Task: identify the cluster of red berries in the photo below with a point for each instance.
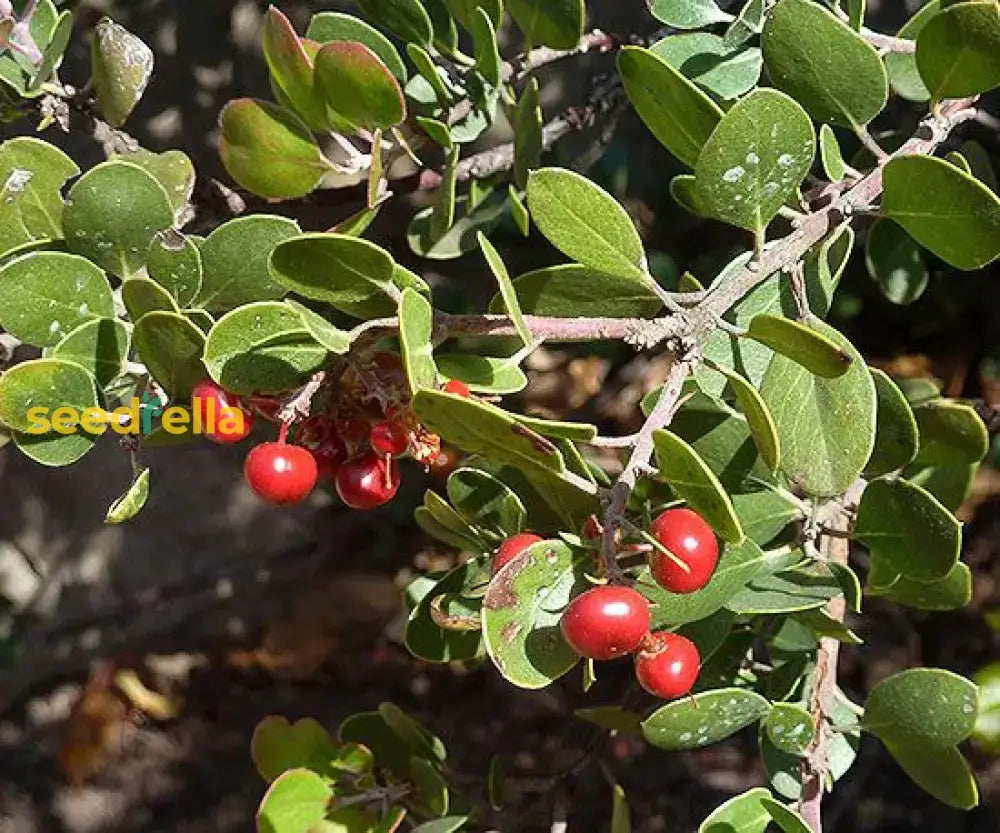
(354, 444)
(611, 621)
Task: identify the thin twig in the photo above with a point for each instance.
(595, 41)
(642, 452)
(887, 43)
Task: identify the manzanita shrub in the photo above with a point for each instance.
(718, 554)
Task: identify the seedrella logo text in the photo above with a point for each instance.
(140, 416)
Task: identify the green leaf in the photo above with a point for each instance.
(53, 449)
(235, 258)
(676, 112)
(789, 727)
(269, 150)
(763, 514)
(759, 421)
(350, 273)
(787, 818)
(585, 222)
(461, 237)
(951, 485)
(802, 344)
(480, 428)
(112, 213)
(682, 191)
(987, 730)
(171, 347)
(755, 159)
(174, 170)
(788, 592)
(484, 38)
(979, 161)
(570, 290)
(425, 639)
(431, 789)
(895, 262)
(527, 124)
(278, 746)
(121, 66)
(737, 566)
(688, 14)
(443, 210)
(507, 291)
(713, 64)
(261, 348)
(44, 296)
(943, 209)
(958, 50)
(692, 480)
(554, 23)
(829, 150)
(296, 802)
(826, 426)
(291, 70)
(950, 433)
(174, 262)
(953, 592)
(330, 26)
(896, 438)
(902, 66)
(333, 339)
(943, 772)
(46, 384)
(485, 502)
(908, 530)
(54, 51)
(703, 719)
(130, 504)
(482, 374)
(748, 23)
(416, 327)
(522, 609)
(358, 87)
(825, 65)
(579, 431)
(405, 18)
(141, 295)
(823, 267)
(100, 346)
(32, 173)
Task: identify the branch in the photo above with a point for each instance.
(642, 452)
(781, 254)
(816, 765)
(595, 41)
(887, 43)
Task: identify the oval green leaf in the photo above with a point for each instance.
(676, 112)
(171, 348)
(802, 344)
(824, 64)
(358, 87)
(896, 437)
(755, 159)
(703, 719)
(958, 50)
(101, 346)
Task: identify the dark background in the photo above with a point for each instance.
(247, 610)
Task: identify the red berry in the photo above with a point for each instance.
(458, 388)
(329, 456)
(666, 665)
(368, 481)
(512, 548)
(692, 543)
(606, 622)
(388, 437)
(222, 418)
(280, 473)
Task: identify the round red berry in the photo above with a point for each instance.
(388, 437)
(666, 665)
(280, 473)
(368, 481)
(329, 456)
(512, 548)
(458, 388)
(222, 418)
(693, 547)
(606, 622)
